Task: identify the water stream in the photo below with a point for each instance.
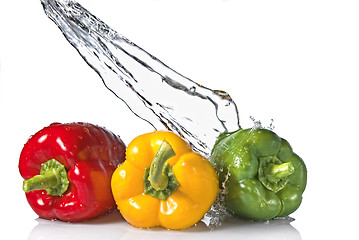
(151, 89)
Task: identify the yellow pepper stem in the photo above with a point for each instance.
(157, 178)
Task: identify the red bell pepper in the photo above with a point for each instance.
(67, 170)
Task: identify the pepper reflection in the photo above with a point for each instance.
(112, 226)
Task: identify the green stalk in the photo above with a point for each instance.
(273, 173)
(276, 172)
(52, 178)
(158, 179)
(40, 182)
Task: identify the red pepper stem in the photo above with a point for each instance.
(157, 178)
(41, 182)
(52, 178)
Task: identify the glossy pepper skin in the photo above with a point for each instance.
(184, 204)
(87, 154)
(261, 176)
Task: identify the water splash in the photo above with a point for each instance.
(152, 90)
(258, 124)
(216, 216)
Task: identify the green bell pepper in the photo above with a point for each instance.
(260, 176)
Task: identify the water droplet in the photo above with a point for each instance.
(263, 204)
(258, 124)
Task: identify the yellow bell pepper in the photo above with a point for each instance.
(163, 183)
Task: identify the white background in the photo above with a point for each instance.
(296, 62)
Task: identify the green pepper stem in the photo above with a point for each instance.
(275, 172)
(157, 178)
(52, 178)
(41, 182)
